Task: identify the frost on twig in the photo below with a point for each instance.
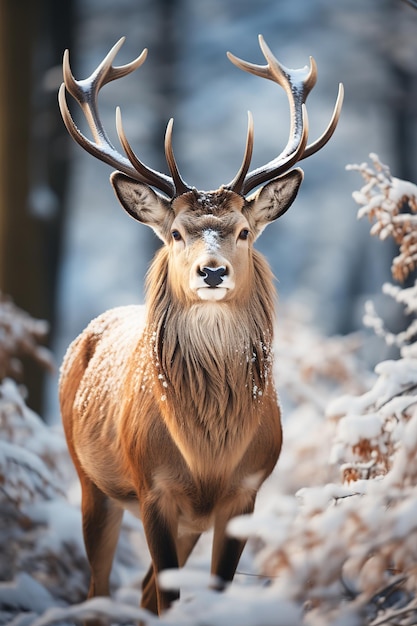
(390, 203)
(370, 427)
(406, 339)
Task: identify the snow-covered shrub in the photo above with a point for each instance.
(371, 429)
(391, 204)
(20, 336)
(40, 532)
(40, 538)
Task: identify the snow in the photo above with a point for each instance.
(353, 428)
(25, 594)
(407, 519)
(62, 520)
(211, 239)
(96, 607)
(245, 606)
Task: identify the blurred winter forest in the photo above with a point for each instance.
(67, 250)
(333, 540)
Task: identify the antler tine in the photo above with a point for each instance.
(237, 182)
(324, 138)
(85, 92)
(297, 84)
(104, 73)
(148, 175)
(153, 176)
(99, 151)
(180, 185)
(280, 164)
(275, 71)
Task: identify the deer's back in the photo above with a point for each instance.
(96, 385)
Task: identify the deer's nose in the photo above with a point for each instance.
(213, 276)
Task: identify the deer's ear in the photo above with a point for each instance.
(273, 200)
(143, 204)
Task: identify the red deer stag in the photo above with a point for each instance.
(173, 414)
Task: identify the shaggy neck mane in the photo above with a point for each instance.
(212, 360)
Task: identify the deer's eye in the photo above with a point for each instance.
(176, 235)
(244, 234)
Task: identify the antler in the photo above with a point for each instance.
(297, 84)
(85, 92)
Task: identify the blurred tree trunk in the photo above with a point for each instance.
(21, 273)
(50, 156)
(19, 249)
(29, 238)
(400, 56)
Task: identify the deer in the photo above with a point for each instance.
(170, 408)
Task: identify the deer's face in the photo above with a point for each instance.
(210, 246)
(209, 235)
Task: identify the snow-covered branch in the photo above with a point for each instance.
(390, 203)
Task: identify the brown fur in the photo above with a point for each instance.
(174, 415)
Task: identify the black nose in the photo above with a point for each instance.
(213, 276)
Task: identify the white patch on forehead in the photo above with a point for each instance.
(211, 239)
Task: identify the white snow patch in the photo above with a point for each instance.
(211, 239)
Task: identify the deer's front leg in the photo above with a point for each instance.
(227, 550)
(160, 536)
(185, 545)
